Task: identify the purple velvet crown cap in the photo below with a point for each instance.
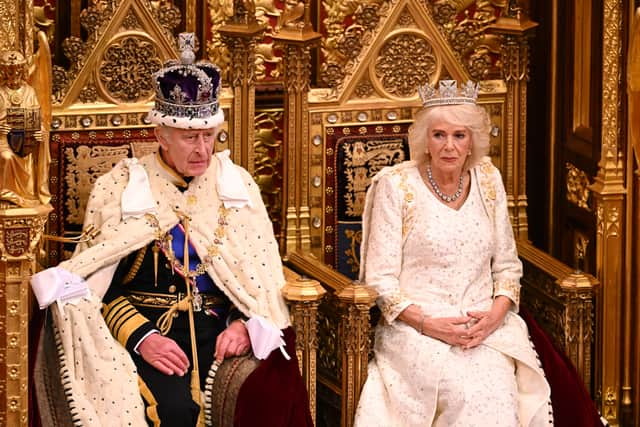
(186, 92)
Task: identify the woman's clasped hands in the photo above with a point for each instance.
(466, 331)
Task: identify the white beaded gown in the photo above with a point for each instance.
(416, 250)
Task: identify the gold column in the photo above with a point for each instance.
(516, 29)
(296, 36)
(16, 26)
(353, 333)
(20, 233)
(240, 36)
(579, 289)
(609, 195)
(304, 296)
(190, 21)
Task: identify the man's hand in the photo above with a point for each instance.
(164, 354)
(233, 341)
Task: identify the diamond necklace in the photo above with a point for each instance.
(436, 189)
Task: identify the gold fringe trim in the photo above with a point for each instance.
(152, 403)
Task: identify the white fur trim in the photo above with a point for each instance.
(186, 122)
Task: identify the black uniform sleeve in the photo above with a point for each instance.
(124, 320)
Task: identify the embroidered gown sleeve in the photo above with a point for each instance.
(506, 267)
(384, 248)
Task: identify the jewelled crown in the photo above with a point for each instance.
(448, 93)
(187, 92)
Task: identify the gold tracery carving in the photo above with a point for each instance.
(125, 72)
(406, 61)
(465, 25)
(84, 165)
(9, 25)
(118, 79)
(578, 191)
(264, 11)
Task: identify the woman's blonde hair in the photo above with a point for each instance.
(472, 117)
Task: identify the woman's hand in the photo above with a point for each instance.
(233, 341)
(451, 330)
(486, 322)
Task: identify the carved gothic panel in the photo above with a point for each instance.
(126, 67)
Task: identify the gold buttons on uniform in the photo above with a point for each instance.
(172, 289)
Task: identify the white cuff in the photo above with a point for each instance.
(56, 284)
(265, 337)
(135, 348)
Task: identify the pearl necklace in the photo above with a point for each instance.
(436, 188)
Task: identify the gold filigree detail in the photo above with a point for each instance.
(389, 303)
(268, 156)
(9, 25)
(140, 149)
(167, 14)
(267, 63)
(126, 70)
(95, 20)
(362, 160)
(89, 93)
(580, 251)
(610, 403)
(406, 61)
(84, 165)
(130, 22)
(343, 44)
(328, 345)
(509, 288)
(405, 19)
(364, 88)
(600, 220)
(578, 184)
(408, 209)
(465, 25)
(353, 253)
(292, 15)
(613, 222)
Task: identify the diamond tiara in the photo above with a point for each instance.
(448, 93)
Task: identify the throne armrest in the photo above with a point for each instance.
(561, 300)
(303, 296)
(344, 332)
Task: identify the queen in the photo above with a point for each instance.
(439, 250)
(24, 149)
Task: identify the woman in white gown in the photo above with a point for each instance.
(438, 247)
